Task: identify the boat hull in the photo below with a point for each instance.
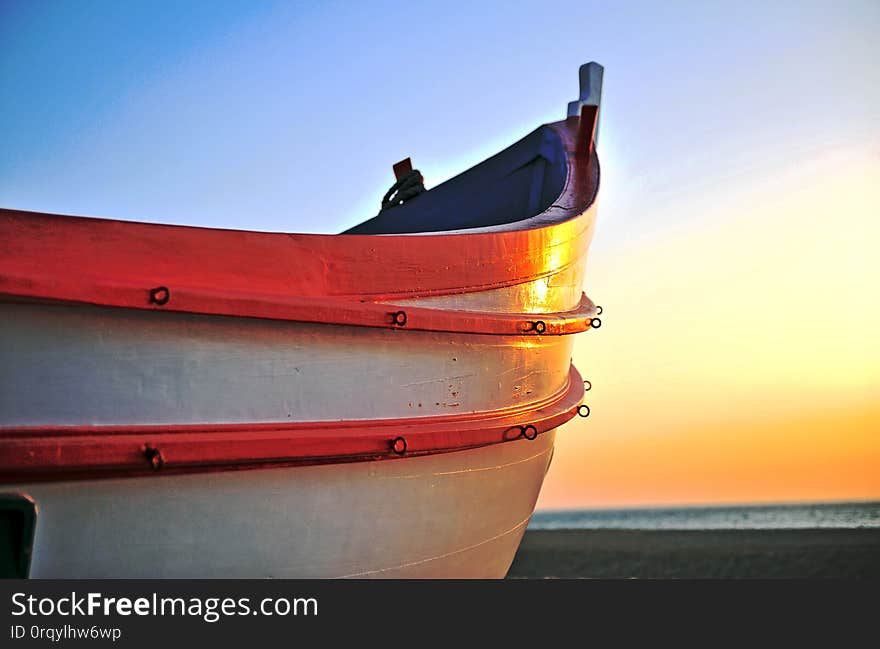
(196, 402)
(457, 515)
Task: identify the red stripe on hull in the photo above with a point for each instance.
(233, 272)
(337, 311)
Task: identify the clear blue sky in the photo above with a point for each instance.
(287, 116)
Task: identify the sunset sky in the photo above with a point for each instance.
(738, 249)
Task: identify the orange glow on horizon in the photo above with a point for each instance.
(739, 359)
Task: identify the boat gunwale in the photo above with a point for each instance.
(115, 257)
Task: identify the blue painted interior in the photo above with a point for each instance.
(519, 182)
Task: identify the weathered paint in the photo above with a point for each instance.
(55, 452)
(79, 365)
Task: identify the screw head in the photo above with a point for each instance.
(398, 445)
(154, 457)
(160, 295)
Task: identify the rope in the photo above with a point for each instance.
(410, 185)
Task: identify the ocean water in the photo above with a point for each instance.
(757, 517)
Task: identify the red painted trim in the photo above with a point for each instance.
(388, 316)
(54, 453)
(226, 272)
(587, 129)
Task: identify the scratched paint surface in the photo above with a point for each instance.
(70, 365)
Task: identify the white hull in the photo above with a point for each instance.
(458, 514)
(84, 365)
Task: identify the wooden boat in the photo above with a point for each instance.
(192, 402)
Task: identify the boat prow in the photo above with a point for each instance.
(194, 402)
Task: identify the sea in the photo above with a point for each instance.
(849, 515)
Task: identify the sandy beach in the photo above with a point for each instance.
(709, 554)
